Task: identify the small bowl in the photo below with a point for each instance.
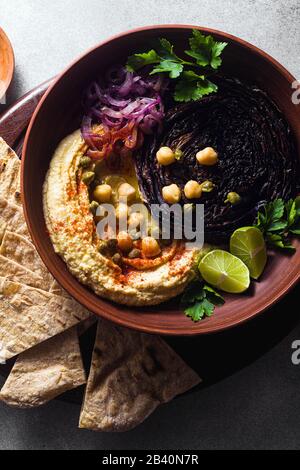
(58, 114)
(7, 63)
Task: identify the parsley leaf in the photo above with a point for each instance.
(200, 300)
(166, 51)
(216, 51)
(213, 295)
(205, 50)
(269, 219)
(295, 218)
(278, 220)
(295, 229)
(191, 85)
(291, 212)
(201, 309)
(173, 68)
(138, 61)
(279, 241)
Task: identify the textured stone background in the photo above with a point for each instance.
(255, 403)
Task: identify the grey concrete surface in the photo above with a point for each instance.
(256, 404)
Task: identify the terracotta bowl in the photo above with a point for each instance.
(7, 63)
(59, 113)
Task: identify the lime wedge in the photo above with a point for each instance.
(247, 243)
(225, 271)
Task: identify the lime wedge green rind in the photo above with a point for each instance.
(225, 271)
(247, 243)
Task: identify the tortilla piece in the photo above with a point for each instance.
(12, 218)
(131, 374)
(10, 168)
(45, 371)
(15, 272)
(29, 316)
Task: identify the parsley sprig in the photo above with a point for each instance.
(199, 301)
(191, 75)
(278, 221)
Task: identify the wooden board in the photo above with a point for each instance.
(213, 356)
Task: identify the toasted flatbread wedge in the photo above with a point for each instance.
(131, 374)
(56, 289)
(12, 218)
(45, 371)
(15, 272)
(19, 249)
(33, 307)
(29, 316)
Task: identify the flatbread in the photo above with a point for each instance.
(131, 374)
(45, 371)
(18, 248)
(10, 168)
(15, 272)
(33, 307)
(57, 289)
(29, 316)
(12, 218)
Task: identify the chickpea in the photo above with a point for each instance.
(150, 247)
(122, 211)
(126, 192)
(135, 219)
(102, 193)
(192, 190)
(165, 156)
(125, 242)
(188, 208)
(207, 156)
(171, 194)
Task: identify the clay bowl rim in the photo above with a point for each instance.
(70, 287)
(11, 68)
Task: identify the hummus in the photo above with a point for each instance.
(73, 233)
